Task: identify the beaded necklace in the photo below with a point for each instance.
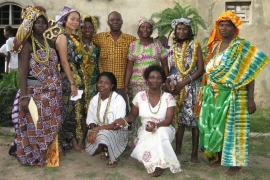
(46, 47)
(149, 105)
(106, 110)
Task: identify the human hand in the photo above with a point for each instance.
(178, 87)
(150, 126)
(251, 106)
(24, 104)
(126, 91)
(119, 123)
(92, 137)
(74, 91)
(168, 87)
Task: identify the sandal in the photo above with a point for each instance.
(158, 172)
(104, 155)
(112, 165)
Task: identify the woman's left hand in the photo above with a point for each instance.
(251, 106)
(178, 87)
(92, 137)
(150, 126)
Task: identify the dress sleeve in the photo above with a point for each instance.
(9, 44)
(120, 107)
(130, 52)
(91, 114)
(170, 100)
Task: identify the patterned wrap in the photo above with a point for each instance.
(34, 144)
(73, 111)
(224, 120)
(186, 115)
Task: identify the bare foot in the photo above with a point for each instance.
(76, 147)
(194, 159)
(215, 164)
(82, 144)
(233, 171)
(61, 154)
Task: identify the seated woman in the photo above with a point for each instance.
(156, 109)
(104, 108)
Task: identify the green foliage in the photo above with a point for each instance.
(8, 89)
(169, 14)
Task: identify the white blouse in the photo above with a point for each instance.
(116, 110)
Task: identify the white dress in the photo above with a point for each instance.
(155, 149)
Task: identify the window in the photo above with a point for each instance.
(242, 9)
(10, 14)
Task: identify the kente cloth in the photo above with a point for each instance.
(186, 115)
(73, 111)
(154, 149)
(33, 142)
(142, 56)
(226, 102)
(115, 140)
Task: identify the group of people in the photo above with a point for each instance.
(164, 88)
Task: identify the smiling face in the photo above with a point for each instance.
(154, 80)
(72, 21)
(40, 25)
(104, 86)
(115, 21)
(182, 31)
(87, 30)
(226, 29)
(145, 30)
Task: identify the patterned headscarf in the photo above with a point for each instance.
(29, 16)
(64, 12)
(228, 15)
(143, 19)
(94, 22)
(185, 21)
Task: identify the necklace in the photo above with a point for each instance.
(149, 105)
(106, 110)
(46, 47)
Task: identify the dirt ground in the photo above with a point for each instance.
(82, 166)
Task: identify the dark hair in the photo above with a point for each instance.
(9, 29)
(45, 19)
(66, 17)
(157, 68)
(112, 78)
(190, 34)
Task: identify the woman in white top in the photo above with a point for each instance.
(156, 109)
(104, 108)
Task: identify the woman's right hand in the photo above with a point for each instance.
(126, 91)
(119, 123)
(92, 137)
(74, 91)
(24, 104)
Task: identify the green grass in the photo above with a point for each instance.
(86, 175)
(260, 121)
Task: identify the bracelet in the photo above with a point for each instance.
(125, 121)
(23, 97)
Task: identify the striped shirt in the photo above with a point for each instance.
(113, 55)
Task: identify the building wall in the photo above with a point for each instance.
(257, 32)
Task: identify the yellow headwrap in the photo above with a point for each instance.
(94, 22)
(228, 15)
(29, 16)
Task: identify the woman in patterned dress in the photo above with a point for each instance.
(156, 109)
(39, 81)
(186, 66)
(71, 57)
(142, 53)
(90, 63)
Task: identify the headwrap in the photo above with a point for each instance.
(29, 16)
(228, 15)
(94, 21)
(63, 13)
(185, 21)
(142, 20)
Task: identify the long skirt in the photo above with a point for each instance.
(115, 140)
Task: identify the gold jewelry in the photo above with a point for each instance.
(106, 111)
(149, 105)
(46, 47)
(126, 123)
